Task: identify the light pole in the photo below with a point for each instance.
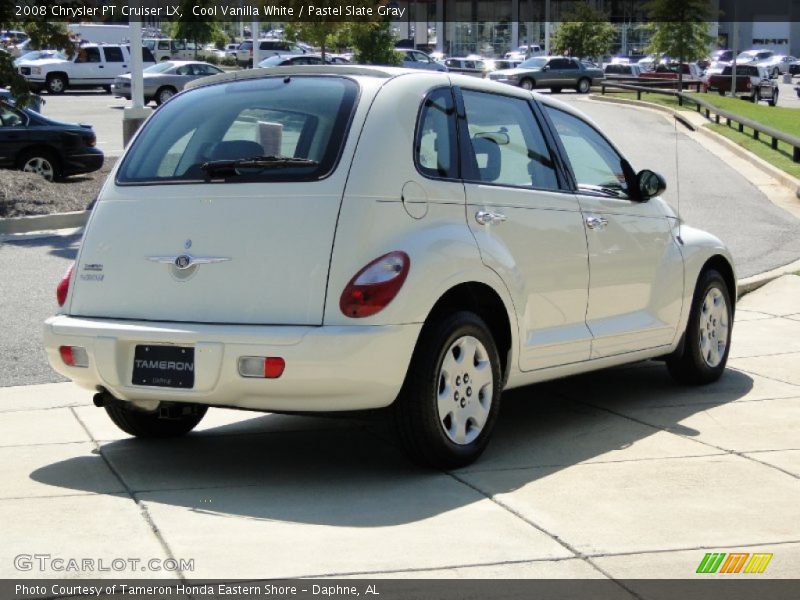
(136, 114)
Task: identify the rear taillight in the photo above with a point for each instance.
(264, 367)
(91, 141)
(63, 286)
(375, 286)
(74, 356)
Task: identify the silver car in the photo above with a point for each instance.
(165, 79)
(554, 72)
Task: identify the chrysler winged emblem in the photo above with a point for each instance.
(186, 261)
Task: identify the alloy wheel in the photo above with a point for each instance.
(40, 166)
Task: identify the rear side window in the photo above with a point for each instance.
(285, 118)
(508, 147)
(435, 146)
(113, 54)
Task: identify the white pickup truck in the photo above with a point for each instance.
(91, 66)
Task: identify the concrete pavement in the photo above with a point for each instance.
(620, 474)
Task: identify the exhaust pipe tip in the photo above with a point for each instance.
(100, 399)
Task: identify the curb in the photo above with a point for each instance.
(68, 220)
(749, 284)
(792, 183)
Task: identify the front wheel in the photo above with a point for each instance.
(584, 85)
(449, 402)
(527, 84)
(706, 343)
(142, 424)
(56, 84)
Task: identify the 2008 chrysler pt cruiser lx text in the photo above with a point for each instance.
(344, 238)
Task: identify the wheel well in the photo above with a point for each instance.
(720, 264)
(64, 75)
(483, 301)
(25, 153)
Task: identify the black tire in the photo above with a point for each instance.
(164, 93)
(41, 161)
(756, 96)
(584, 86)
(774, 100)
(527, 84)
(56, 83)
(689, 365)
(421, 430)
(721, 92)
(150, 424)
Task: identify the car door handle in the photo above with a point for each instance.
(485, 217)
(596, 222)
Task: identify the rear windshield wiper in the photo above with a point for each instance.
(230, 167)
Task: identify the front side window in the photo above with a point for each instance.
(296, 126)
(435, 147)
(595, 163)
(508, 147)
(89, 54)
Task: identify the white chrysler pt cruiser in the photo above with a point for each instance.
(316, 239)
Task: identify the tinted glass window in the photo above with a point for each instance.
(305, 117)
(113, 54)
(594, 161)
(435, 146)
(10, 117)
(570, 64)
(508, 147)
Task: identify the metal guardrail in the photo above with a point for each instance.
(709, 109)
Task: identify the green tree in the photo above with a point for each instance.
(680, 30)
(374, 44)
(584, 32)
(193, 29)
(43, 34)
(370, 36)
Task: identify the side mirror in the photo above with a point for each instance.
(649, 184)
(546, 68)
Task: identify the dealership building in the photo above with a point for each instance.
(492, 27)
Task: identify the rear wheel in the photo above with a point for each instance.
(42, 163)
(449, 403)
(756, 96)
(774, 100)
(157, 424)
(164, 94)
(584, 85)
(527, 84)
(706, 343)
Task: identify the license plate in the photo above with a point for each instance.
(163, 366)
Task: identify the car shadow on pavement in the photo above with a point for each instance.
(63, 246)
(344, 472)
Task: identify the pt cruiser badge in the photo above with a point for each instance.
(186, 261)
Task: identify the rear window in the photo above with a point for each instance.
(300, 117)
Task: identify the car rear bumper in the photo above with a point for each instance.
(327, 368)
(87, 162)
